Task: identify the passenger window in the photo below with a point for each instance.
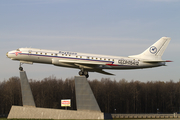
(62, 54)
(41, 53)
(56, 54)
(104, 58)
(113, 59)
(45, 53)
(69, 55)
(96, 58)
(87, 57)
(109, 59)
(36, 52)
(92, 57)
(76, 56)
(51, 54)
(100, 58)
(81, 57)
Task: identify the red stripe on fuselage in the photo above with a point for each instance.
(112, 65)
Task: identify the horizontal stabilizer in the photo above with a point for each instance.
(153, 61)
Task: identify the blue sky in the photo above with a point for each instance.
(112, 27)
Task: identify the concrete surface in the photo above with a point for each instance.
(27, 97)
(87, 107)
(21, 112)
(85, 99)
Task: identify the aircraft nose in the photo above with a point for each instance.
(7, 54)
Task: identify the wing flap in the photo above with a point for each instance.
(84, 66)
(104, 72)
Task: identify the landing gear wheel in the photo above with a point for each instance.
(81, 73)
(85, 73)
(21, 68)
(87, 76)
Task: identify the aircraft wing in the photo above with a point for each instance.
(104, 72)
(85, 62)
(91, 65)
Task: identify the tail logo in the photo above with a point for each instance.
(153, 49)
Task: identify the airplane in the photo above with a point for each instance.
(151, 57)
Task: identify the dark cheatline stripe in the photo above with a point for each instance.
(64, 57)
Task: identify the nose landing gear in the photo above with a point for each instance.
(85, 73)
(20, 68)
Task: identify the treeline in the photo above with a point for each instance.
(112, 96)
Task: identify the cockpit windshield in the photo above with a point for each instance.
(17, 50)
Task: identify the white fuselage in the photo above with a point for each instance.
(151, 57)
(75, 59)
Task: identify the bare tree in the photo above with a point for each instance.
(112, 95)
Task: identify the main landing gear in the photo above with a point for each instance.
(85, 73)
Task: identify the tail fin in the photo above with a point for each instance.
(155, 51)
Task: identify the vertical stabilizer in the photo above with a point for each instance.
(155, 51)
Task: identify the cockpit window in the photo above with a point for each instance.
(17, 50)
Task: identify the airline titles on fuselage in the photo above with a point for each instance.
(69, 53)
(128, 62)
